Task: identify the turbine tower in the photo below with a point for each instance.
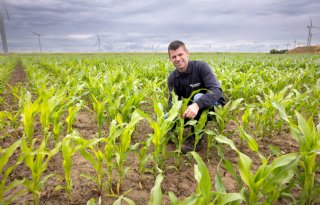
(2, 29)
(39, 35)
(309, 33)
(99, 42)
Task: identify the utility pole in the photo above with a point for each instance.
(309, 33)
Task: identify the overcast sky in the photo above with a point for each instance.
(150, 25)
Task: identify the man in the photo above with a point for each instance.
(190, 76)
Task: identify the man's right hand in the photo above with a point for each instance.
(191, 111)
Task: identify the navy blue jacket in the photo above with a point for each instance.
(198, 75)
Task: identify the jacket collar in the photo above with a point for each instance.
(188, 71)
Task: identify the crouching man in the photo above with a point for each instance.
(187, 77)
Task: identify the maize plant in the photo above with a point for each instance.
(68, 150)
(160, 129)
(204, 193)
(37, 161)
(223, 115)
(124, 146)
(29, 112)
(268, 183)
(49, 101)
(99, 108)
(92, 153)
(14, 118)
(73, 111)
(181, 124)
(156, 193)
(5, 188)
(266, 121)
(308, 136)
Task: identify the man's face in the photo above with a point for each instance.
(179, 58)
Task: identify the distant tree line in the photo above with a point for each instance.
(275, 51)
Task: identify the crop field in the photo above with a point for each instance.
(90, 129)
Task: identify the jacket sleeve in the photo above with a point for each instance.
(211, 83)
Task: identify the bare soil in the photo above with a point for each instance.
(137, 186)
(306, 49)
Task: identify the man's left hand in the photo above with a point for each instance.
(191, 111)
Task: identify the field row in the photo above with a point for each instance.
(107, 111)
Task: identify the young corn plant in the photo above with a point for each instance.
(73, 111)
(14, 119)
(57, 124)
(29, 112)
(133, 97)
(181, 124)
(269, 182)
(199, 127)
(99, 108)
(68, 150)
(50, 100)
(109, 152)
(124, 147)
(204, 193)
(160, 129)
(62, 104)
(246, 117)
(102, 160)
(144, 156)
(5, 189)
(266, 121)
(92, 153)
(308, 136)
(37, 161)
(156, 193)
(46, 107)
(223, 115)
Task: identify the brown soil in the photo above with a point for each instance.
(18, 77)
(138, 186)
(306, 49)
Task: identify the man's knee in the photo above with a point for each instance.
(197, 97)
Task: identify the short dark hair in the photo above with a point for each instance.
(174, 45)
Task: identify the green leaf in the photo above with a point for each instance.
(219, 184)
(7, 153)
(156, 193)
(118, 201)
(230, 197)
(173, 199)
(235, 104)
(252, 143)
(203, 178)
(223, 139)
(282, 111)
(245, 169)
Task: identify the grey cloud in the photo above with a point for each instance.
(132, 24)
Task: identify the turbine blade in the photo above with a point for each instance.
(7, 12)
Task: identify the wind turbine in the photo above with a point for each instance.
(2, 29)
(99, 42)
(309, 33)
(39, 35)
